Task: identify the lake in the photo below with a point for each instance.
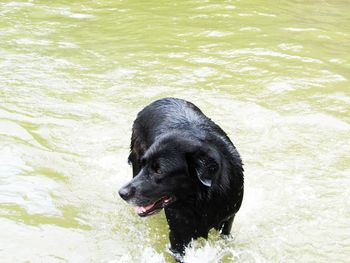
(73, 75)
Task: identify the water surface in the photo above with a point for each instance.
(73, 75)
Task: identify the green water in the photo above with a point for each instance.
(73, 75)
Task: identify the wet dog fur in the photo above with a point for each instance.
(185, 163)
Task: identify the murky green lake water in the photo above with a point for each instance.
(73, 75)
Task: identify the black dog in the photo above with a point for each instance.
(185, 163)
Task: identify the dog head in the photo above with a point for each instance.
(172, 168)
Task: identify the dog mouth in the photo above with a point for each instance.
(155, 207)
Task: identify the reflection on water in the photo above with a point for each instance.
(74, 75)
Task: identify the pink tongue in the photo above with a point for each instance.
(147, 207)
(142, 209)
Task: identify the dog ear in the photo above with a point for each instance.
(203, 162)
(206, 169)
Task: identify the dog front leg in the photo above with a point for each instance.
(178, 242)
(183, 228)
(226, 226)
(181, 235)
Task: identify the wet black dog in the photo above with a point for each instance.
(185, 163)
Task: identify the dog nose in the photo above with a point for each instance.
(126, 192)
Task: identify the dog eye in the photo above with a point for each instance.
(156, 169)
